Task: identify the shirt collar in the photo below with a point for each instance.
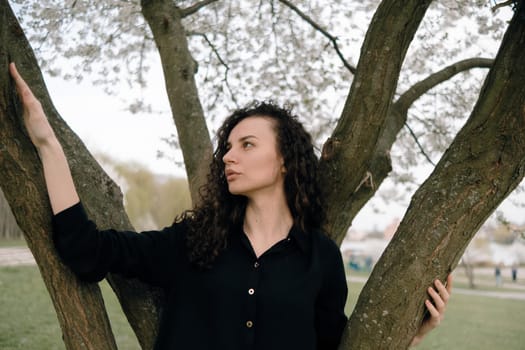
(302, 238)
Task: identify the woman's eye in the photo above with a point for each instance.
(247, 145)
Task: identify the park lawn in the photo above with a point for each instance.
(28, 320)
(473, 322)
(481, 323)
(12, 242)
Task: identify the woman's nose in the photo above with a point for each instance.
(228, 158)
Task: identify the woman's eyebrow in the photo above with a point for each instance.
(243, 138)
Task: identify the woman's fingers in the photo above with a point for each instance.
(440, 295)
(21, 86)
(437, 300)
(444, 290)
(435, 315)
(449, 283)
(436, 306)
(35, 119)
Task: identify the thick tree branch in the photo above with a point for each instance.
(164, 19)
(317, 27)
(511, 3)
(194, 8)
(355, 137)
(423, 86)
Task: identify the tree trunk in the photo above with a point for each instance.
(164, 19)
(485, 162)
(79, 306)
(354, 139)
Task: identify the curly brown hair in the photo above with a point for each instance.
(221, 212)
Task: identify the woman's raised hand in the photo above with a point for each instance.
(35, 119)
(59, 182)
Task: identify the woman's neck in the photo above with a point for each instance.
(267, 219)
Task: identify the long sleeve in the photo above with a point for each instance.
(92, 253)
(330, 316)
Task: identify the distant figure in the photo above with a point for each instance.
(368, 263)
(497, 273)
(514, 272)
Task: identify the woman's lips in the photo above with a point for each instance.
(231, 174)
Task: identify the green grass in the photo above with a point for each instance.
(489, 286)
(12, 242)
(481, 323)
(28, 320)
(471, 322)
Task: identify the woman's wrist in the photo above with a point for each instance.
(49, 146)
(416, 340)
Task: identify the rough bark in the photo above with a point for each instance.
(362, 121)
(164, 19)
(485, 162)
(79, 306)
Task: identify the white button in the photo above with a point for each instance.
(256, 265)
(251, 291)
(249, 324)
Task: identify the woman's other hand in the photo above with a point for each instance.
(440, 294)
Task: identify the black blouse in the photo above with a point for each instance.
(291, 297)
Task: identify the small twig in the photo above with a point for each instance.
(368, 181)
(332, 39)
(194, 8)
(221, 60)
(502, 4)
(142, 82)
(419, 144)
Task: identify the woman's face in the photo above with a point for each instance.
(253, 164)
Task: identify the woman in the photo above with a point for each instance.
(249, 267)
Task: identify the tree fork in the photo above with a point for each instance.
(485, 162)
(380, 163)
(366, 108)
